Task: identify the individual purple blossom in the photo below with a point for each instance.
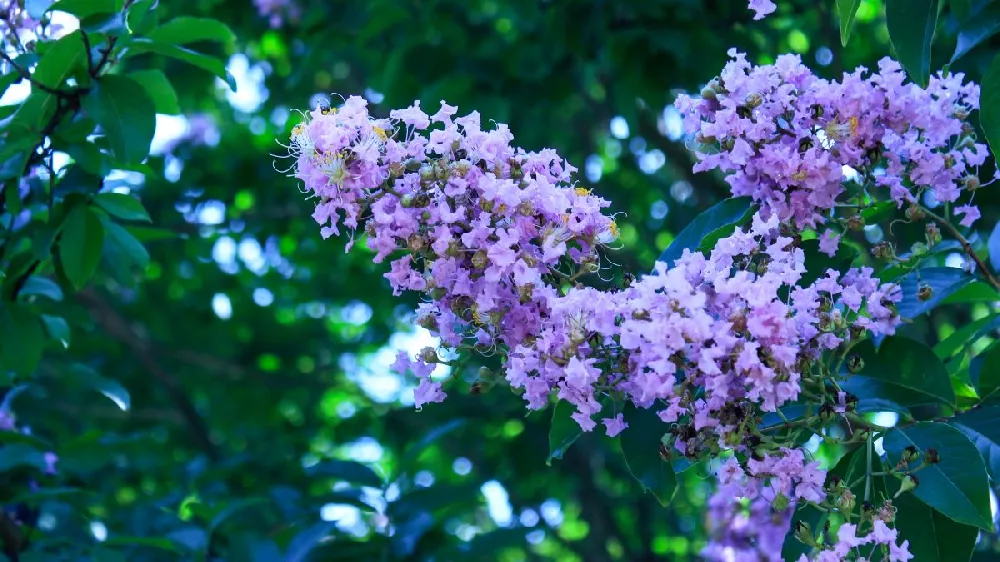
(615, 425)
(278, 12)
(50, 462)
(829, 241)
(969, 214)
(762, 8)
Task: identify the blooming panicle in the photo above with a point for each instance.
(784, 136)
(496, 239)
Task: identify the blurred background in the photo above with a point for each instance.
(257, 354)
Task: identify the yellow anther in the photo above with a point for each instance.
(380, 132)
(581, 191)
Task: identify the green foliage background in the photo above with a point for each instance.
(242, 426)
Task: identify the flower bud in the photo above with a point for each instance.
(426, 173)
(855, 363)
(804, 533)
(909, 482)
(970, 183)
(416, 242)
(910, 454)
(918, 249)
(708, 93)
(429, 355)
(924, 293)
(915, 213)
(754, 100)
(846, 501)
(412, 165)
(479, 259)
(856, 222)
(931, 456)
(932, 233)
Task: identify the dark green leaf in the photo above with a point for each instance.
(159, 89)
(848, 9)
(933, 537)
(122, 206)
(86, 8)
(80, 245)
(977, 30)
(33, 114)
(126, 114)
(957, 485)
(142, 17)
(966, 335)
(912, 24)
(184, 30)
(989, 378)
(57, 327)
(124, 251)
(306, 541)
(640, 445)
(989, 120)
(942, 281)
(63, 57)
(16, 455)
(563, 432)
(165, 545)
(348, 471)
(21, 338)
(205, 62)
(989, 450)
(903, 371)
(722, 219)
(109, 388)
(231, 509)
(37, 285)
(413, 451)
(248, 547)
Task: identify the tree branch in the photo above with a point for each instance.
(116, 326)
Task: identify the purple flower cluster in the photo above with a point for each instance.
(497, 240)
(751, 513)
(751, 509)
(278, 12)
(785, 136)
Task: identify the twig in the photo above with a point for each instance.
(966, 246)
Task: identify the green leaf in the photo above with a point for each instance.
(33, 114)
(109, 388)
(165, 545)
(124, 111)
(848, 9)
(957, 485)
(57, 328)
(142, 17)
(60, 60)
(933, 537)
(306, 541)
(912, 24)
(22, 340)
(249, 547)
(989, 377)
(123, 251)
(80, 245)
(15, 455)
(205, 62)
(640, 446)
(717, 222)
(903, 371)
(122, 206)
(37, 285)
(942, 281)
(989, 104)
(86, 8)
(231, 509)
(989, 450)
(184, 30)
(962, 9)
(348, 471)
(563, 432)
(413, 451)
(977, 30)
(159, 89)
(966, 335)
